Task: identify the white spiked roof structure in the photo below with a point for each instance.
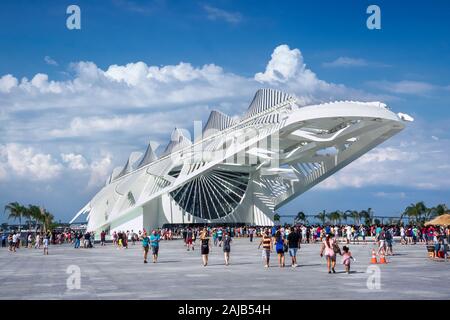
(241, 170)
(265, 99)
(177, 142)
(217, 121)
(115, 173)
(131, 163)
(148, 157)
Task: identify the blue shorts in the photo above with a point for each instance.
(293, 252)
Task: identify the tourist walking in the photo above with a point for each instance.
(266, 243)
(125, 239)
(205, 246)
(103, 238)
(115, 238)
(389, 241)
(45, 244)
(227, 248)
(4, 238)
(37, 245)
(346, 258)
(14, 241)
(145, 245)
(78, 237)
(214, 236)
(154, 242)
(133, 237)
(189, 236)
(381, 237)
(12, 245)
(293, 240)
(279, 247)
(330, 248)
(220, 236)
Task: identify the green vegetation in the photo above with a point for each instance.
(32, 213)
(417, 213)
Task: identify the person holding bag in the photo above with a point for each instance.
(330, 248)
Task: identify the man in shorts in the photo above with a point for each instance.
(154, 242)
(266, 242)
(145, 245)
(293, 245)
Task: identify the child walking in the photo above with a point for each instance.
(346, 258)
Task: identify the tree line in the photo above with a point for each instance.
(32, 214)
(417, 213)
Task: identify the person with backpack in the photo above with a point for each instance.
(155, 238)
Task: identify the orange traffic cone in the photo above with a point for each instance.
(382, 258)
(374, 257)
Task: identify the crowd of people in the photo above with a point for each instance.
(41, 240)
(285, 239)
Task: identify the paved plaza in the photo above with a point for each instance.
(109, 273)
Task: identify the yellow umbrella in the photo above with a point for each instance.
(443, 220)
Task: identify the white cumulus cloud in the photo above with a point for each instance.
(27, 163)
(7, 82)
(74, 161)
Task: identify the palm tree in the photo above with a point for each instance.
(47, 219)
(301, 217)
(346, 214)
(15, 211)
(334, 217)
(276, 217)
(36, 215)
(367, 215)
(354, 215)
(321, 216)
(440, 209)
(415, 211)
(339, 216)
(27, 215)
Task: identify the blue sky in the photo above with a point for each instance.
(55, 149)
